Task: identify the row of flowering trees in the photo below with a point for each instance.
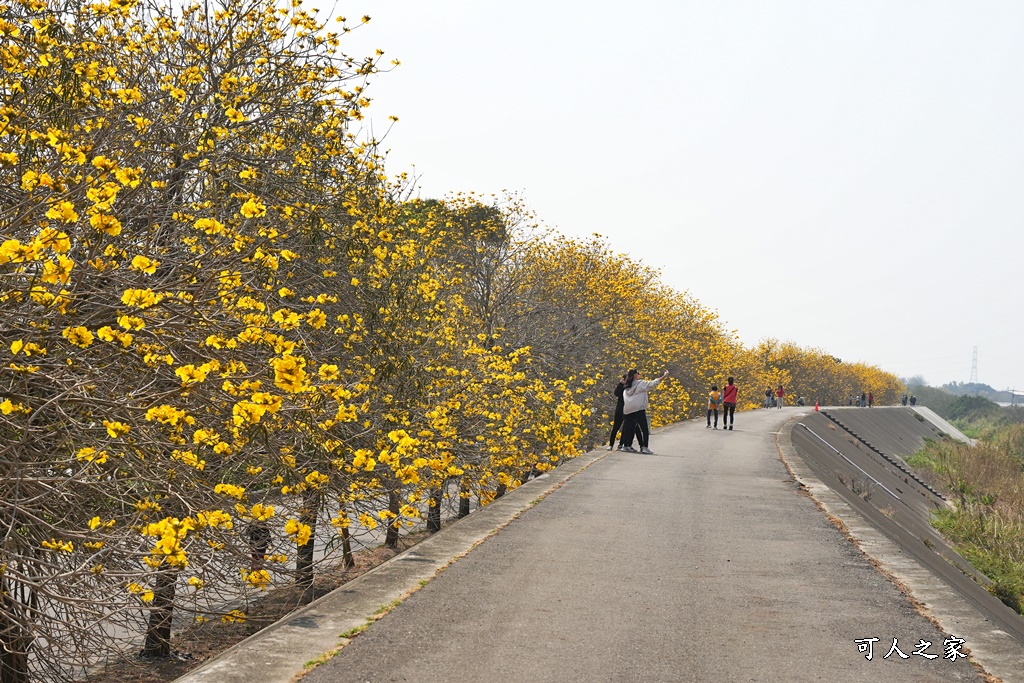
(228, 340)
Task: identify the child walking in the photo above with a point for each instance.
(714, 400)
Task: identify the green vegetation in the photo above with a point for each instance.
(986, 482)
(353, 632)
(991, 545)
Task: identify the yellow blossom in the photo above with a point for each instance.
(190, 374)
(253, 208)
(63, 211)
(54, 239)
(106, 223)
(259, 578)
(116, 429)
(298, 531)
(230, 490)
(145, 264)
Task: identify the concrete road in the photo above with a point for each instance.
(703, 562)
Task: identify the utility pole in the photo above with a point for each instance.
(974, 371)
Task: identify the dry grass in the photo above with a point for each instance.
(987, 484)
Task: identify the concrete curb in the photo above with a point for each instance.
(277, 654)
(990, 648)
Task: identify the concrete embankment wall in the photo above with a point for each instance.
(852, 461)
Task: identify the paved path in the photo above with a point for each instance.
(703, 562)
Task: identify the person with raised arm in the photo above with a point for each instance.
(635, 410)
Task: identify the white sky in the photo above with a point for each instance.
(843, 174)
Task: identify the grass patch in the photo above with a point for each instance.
(384, 609)
(317, 661)
(992, 545)
(987, 484)
(353, 632)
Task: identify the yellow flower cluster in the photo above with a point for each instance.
(298, 531)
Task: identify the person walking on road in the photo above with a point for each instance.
(635, 409)
(871, 400)
(863, 400)
(617, 421)
(729, 395)
(779, 393)
(714, 400)
(768, 393)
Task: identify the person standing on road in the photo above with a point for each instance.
(863, 400)
(779, 393)
(768, 397)
(617, 421)
(635, 409)
(871, 400)
(729, 395)
(714, 400)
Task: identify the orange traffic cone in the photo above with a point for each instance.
(815, 406)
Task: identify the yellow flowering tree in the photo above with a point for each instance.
(157, 162)
(221, 323)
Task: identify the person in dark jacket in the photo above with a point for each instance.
(618, 412)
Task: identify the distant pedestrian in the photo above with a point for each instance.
(635, 409)
(729, 395)
(779, 393)
(871, 400)
(904, 399)
(768, 393)
(259, 543)
(714, 400)
(863, 400)
(617, 421)
(913, 400)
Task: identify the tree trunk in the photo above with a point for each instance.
(13, 645)
(347, 559)
(391, 540)
(158, 633)
(434, 512)
(18, 602)
(304, 559)
(13, 665)
(464, 500)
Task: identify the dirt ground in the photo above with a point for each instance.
(197, 644)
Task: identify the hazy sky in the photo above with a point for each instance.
(845, 175)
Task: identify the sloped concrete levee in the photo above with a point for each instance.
(930, 415)
(888, 510)
(895, 430)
